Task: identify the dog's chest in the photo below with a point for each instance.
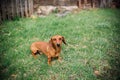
(55, 53)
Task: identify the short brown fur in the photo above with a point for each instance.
(51, 49)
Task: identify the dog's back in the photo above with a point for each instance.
(39, 46)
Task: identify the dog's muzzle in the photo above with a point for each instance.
(58, 45)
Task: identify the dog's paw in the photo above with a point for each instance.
(60, 59)
(49, 63)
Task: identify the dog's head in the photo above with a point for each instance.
(57, 40)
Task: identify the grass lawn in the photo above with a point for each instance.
(93, 45)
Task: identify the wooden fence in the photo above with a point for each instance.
(15, 8)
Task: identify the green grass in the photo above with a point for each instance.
(93, 44)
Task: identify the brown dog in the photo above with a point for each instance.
(51, 49)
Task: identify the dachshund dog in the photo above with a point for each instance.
(51, 49)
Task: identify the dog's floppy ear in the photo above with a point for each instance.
(50, 41)
(63, 40)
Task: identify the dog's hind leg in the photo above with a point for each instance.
(34, 55)
(39, 52)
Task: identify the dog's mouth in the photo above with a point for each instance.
(58, 45)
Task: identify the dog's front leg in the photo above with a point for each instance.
(59, 58)
(34, 55)
(49, 60)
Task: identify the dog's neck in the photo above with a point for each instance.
(54, 47)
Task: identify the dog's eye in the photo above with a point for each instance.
(54, 39)
(60, 39)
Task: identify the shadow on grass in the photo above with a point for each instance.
(5, 60)
(113, 73)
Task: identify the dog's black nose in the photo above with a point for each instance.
(58, 45)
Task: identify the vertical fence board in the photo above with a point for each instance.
(79, 3)
(93, 3)
(8, 9)
(3, 11)
(21, 8)
(31, 7)
(12, 8)
(17, 7)
(0, 14)
(26, 11)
